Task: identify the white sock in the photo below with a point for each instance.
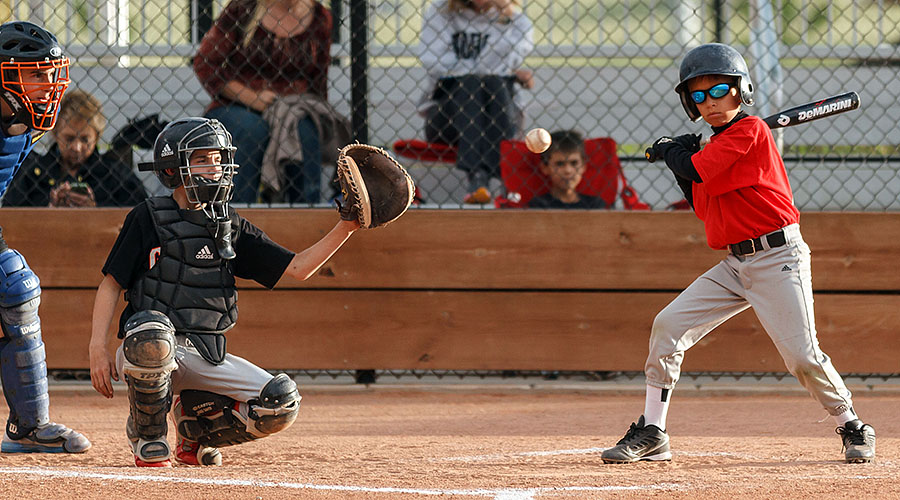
(656, 406)
(845, 417)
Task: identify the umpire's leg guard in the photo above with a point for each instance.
(149, 350)
(23, 369)
(215, 421)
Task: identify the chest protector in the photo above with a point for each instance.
(12, 152)
(190, 283)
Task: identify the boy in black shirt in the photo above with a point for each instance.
(177, 258)
(564, 164)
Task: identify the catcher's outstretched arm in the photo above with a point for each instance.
(307, 263)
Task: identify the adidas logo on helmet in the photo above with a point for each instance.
(166, 150)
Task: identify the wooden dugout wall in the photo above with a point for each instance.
(491, 289)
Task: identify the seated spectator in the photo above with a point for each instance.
(265, 64)
(473, 50)
(563, 163)
(73, 173)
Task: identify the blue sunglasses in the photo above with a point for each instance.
(716, 92)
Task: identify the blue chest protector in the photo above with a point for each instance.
(13, 150)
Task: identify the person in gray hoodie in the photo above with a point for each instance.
(473, 51)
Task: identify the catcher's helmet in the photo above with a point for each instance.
(171, 162)
(713, 59)
(34, 73)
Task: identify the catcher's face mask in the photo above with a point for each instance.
(34, 74)
(206, 168)
(209, 181)
(33, 90)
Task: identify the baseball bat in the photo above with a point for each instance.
(800, 114)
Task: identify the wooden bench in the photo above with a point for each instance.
(467, 290)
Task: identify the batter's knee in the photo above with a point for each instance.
(802, 367)
(662, 336)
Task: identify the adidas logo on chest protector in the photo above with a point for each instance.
(204, 254)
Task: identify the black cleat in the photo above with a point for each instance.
(641, 442)
(859, 442)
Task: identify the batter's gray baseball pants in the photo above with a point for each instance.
(777, 284)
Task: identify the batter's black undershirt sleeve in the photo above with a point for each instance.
(687, 187)
(678, 159)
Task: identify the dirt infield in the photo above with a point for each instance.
(509, 445)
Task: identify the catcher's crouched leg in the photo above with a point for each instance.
(149, 350)
(213, 420)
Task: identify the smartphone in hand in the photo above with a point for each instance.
(79, 187)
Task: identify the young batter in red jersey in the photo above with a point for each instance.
(738, 186)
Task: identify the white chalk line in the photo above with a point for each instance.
(588, 451)
(583, 451)
(496, 494)
(523, 454)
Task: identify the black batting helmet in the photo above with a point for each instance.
(26, 48)
(713, 59)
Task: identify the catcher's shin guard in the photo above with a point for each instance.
(149, 350)
(216, 421)
(22, 358)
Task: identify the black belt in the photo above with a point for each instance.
(750, 247)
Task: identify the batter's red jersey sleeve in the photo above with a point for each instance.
(745, 191)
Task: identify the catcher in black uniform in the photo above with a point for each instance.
(176, 258)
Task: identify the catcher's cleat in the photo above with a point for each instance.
(641, 442)
(162, 463)
(859, 442)
(47, 438)
(193, 453)
(480, 196)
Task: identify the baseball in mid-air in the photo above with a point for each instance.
(537, 140)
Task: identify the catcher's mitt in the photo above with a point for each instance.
(376, 189)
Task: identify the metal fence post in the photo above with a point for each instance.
(359, 69)
(202, 18)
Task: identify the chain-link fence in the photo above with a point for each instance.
(606, 69)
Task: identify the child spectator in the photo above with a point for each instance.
(73, 173)
(563, 163)
(473, 50)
